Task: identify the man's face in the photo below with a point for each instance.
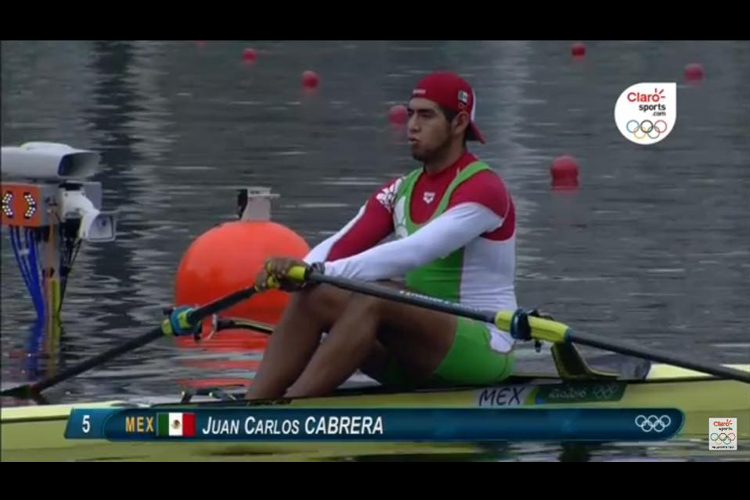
(429, 132)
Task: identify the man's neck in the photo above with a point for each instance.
(445, 161)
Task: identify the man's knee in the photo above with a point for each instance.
(319, 301)
(365, 304)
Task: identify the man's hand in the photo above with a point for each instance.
(275, 274)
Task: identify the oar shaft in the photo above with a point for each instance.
(130, 345)
(221, 304)
(405, 297)
(144, 339)
(540, 328)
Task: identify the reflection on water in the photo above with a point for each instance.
(653, 248)
(567, 452)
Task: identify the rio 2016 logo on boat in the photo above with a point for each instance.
(645, 113)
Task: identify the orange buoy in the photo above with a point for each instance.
(228, 257)
(230, 340)
(218, 365)
(214, 383)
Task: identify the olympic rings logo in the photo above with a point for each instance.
(723, 437)
(605, 392)
(646, 128)
(653, 422)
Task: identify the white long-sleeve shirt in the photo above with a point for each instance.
(479, 220)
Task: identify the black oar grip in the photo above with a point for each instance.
(519, 325)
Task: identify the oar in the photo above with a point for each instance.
(518, 323)
(32, 390)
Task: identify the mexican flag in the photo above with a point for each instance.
(175, 425)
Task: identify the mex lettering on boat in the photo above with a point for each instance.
(503, 396)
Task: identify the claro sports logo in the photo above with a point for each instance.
(649, 102)
(645, 113)
(722, 433)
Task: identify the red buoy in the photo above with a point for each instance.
(694, 73)
(398, 114)
(578, 50)
(310, 80)
(249, 55)
(564, 172)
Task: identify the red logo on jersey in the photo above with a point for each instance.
(387, 196)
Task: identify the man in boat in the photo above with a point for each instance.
(454, 225)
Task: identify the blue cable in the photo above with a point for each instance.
(27, 264)
(15, 241)
(36, 339)
(34, 262)
(31, 267)
(34, 350)
(32, 285)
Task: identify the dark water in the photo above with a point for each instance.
(654, 247)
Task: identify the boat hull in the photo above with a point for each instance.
(37, 433)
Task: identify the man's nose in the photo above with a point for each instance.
(413, 123)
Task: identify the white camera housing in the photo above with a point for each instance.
(49, 161)
(96, 226)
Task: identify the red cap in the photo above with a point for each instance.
(453, 93)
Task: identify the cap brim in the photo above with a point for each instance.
(475, 134)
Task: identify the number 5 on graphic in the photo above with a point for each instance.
(87, 424)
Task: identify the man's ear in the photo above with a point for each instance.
(461, 121)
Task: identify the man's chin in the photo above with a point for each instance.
(417, 154)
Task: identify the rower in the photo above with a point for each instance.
(454, 225)
(453, 219)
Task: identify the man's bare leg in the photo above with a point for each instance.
(309, 314)
(417, 337)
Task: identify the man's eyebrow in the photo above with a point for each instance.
(422, 110)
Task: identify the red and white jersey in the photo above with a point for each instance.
(479, 218)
